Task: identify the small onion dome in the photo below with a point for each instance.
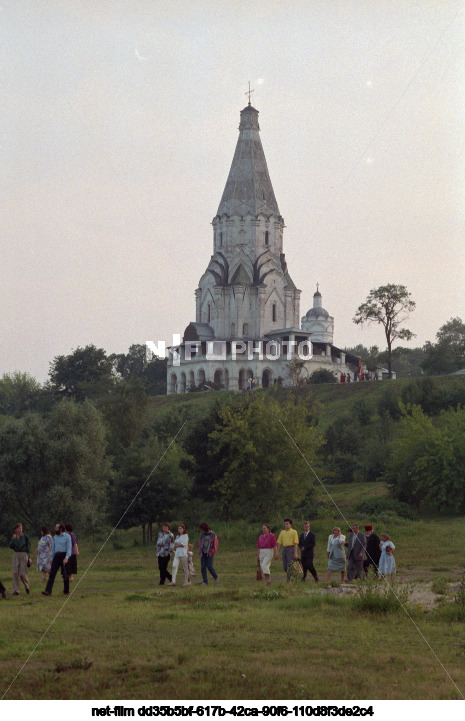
(317, 313)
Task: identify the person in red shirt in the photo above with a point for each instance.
(266, 551)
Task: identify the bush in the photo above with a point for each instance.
(322, 375)
(389, 403)
(380, 597)
(362, 411)
(440, 585)
(385, 507)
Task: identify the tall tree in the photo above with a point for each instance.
(427, 459)
(19, 393)
(85, 373)
(151, 485)
(135, 364)
(263, 451)
(125, 411)
(54, 468)
(389, 305)
(448, 354)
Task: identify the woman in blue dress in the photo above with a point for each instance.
(387, 562)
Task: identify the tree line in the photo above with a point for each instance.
(443, 357)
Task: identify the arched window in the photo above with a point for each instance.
(273, 312)
(221, 239)
(267, 237)
(208, 313)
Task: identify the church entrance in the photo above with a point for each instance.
(173, 384)
(266, 378)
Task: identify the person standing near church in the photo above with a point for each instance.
(372, 550)
(61, 551)
(21, 547)
(288, 540)
(307, 548)
(355, 553)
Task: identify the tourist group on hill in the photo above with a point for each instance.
(352, 557)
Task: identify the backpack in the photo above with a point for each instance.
(213, 545)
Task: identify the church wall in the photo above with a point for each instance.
(237, 372)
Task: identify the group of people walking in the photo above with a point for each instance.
(352, 557)
(53, 553)
(290, 542)
(182, 552)
(359, 552)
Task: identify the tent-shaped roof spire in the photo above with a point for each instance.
(248, 189)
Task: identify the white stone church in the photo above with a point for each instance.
(247, 323)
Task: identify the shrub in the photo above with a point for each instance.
(322, 375)
(389, 403)
(380, 597)
(385, 507)
(440, 585)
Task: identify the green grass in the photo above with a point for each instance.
(328, 400)
(440, 585)
(122, 636)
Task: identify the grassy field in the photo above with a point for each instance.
(328, 400)
(122, 636)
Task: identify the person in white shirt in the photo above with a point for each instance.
(336, 553)
(180, 555)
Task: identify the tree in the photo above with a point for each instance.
(322, 375)
(295, 371)
(19, 393)
(389, 305)
(125, 411)
(407, 362)
(369, 356)
(448, 354)
(135, 365)
(54, 468)
(151, 485)
(427, 459)
(262, 451)
(85, 373)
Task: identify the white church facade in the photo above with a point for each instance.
(248, 321)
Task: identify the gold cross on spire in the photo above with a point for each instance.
(249, 93)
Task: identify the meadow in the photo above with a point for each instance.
(122, 636)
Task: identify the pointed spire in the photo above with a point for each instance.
(248, 189)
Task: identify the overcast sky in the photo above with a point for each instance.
(119, 121)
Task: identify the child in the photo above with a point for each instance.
(387, 563)
(190, 561)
